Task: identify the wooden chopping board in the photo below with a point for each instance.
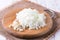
(10, 37)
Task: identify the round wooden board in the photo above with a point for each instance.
(56, 19)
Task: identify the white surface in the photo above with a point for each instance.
(57, 35)
(2, 37)
(52, 4)
(6, 3)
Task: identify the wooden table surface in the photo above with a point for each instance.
(9, 37)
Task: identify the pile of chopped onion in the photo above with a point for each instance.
(29, 18)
